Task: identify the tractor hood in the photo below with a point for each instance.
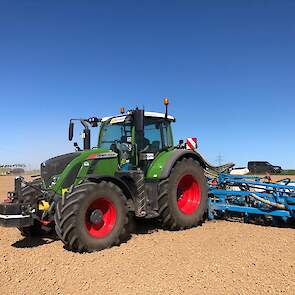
(56, 165)
(67, 166)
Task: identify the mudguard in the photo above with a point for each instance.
(177, 154)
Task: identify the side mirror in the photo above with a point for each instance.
(71, 130)
(180, 142)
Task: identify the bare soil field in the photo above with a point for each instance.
(215, 258)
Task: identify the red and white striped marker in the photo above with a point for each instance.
(191, 143)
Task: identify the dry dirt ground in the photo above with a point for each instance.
(216, 258)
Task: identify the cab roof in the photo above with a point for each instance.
(121, 118)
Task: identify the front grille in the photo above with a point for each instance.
(55, 166)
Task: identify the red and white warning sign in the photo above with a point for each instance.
(191, 143)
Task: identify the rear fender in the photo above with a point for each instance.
(178, 155)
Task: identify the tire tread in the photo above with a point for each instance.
(67, 210)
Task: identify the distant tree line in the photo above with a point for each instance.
(12, 166)
(6, 169)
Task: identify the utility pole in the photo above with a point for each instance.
(219, 159)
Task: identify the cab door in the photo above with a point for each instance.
(157, 136)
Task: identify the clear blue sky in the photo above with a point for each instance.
(228, 68)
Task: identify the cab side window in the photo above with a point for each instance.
(157, 135)
(152, 137)
(167, 136)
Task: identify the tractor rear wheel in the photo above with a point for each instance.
(183, 196)
(92, 217)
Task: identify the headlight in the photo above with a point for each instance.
(54, 180)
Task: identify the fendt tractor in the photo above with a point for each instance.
(89, 195)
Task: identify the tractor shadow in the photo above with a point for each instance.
(31, 242)
(144, 226)
(135, 227)
(139, 226)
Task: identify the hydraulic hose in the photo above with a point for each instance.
(279, 206)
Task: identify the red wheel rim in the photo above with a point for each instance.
(188, 194)
(107, 222)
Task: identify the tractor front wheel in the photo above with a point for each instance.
(92, 217)
(183, 196)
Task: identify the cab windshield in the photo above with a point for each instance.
(110, 134)
(157, 135)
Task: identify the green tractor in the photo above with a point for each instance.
(89, 196)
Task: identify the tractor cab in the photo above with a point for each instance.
(137, 137)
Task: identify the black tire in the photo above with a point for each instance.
(172, 217)
(72, 211)
(30, 195)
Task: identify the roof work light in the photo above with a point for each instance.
(166, 102)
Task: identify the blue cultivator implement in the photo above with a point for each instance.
(251, 198)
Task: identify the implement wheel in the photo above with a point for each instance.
(183, 196)
(92, 217)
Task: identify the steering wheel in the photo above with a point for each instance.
(123, 150)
